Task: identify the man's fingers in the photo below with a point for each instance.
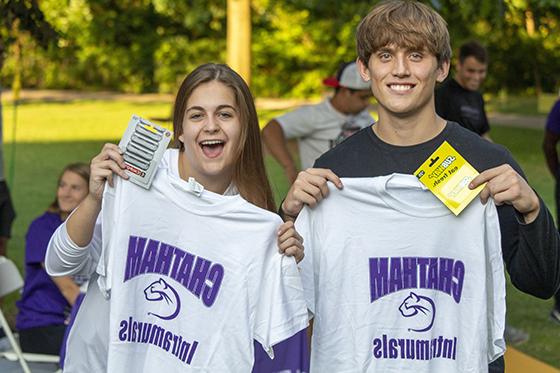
(484, 195)
(488, 175)
(306, 198)
(326, 174)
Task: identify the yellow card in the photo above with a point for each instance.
(447, 174)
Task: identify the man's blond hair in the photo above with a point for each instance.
(403, 23)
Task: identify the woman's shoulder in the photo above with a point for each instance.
(47, 220)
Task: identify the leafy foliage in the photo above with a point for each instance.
(149, 45)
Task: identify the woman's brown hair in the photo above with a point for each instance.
(249, 175)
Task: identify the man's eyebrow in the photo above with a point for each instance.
(385, 49)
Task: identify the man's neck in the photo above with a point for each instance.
(408, 130)
(337, 104)
(461, 84)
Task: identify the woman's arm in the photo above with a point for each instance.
(75, 246)
(67, 287)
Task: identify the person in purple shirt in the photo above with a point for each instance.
(46, 302)
(551, 138)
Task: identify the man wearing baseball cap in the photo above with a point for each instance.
(321, 126)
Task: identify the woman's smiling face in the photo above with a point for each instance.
(211, 134)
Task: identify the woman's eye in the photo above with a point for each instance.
(225, 114)
(195, 116)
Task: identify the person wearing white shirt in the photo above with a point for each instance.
(244, 278)
(320, 127)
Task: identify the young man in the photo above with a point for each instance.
(551, 139)
(403, 49)
(458, 99)
(319, 127)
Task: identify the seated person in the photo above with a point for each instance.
(45, 302)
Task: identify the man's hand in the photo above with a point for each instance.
(291, 173)
(309, 188)
(505, 185)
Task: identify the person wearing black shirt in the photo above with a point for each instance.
(458, 99)
(403, 49)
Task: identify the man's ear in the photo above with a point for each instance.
(442, 71)
(363, 69)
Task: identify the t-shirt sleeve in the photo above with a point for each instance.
(109, 214)
(280, 311)
(36, 242)
(298, 123)
(303, 226)
(553, 120)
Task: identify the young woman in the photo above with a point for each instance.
(209, 240)
(45, 302)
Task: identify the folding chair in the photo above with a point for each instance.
(10, 281)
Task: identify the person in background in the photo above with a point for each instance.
(551, 138)
(458, 99)
(321, 126)
(46, 302)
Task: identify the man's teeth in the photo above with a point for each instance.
(400, 87)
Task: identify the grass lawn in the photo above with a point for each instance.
(50, 135)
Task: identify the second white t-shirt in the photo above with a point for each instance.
(399, 284)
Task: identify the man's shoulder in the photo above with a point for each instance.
(310, 109)
(482, 153)
(348, 152)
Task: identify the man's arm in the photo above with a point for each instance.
(309, 188)
(551, 154)
(530, 241)
(274, 138)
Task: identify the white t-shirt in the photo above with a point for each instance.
(193, 279)
(87, 348)
(399, 284)
(318, 128)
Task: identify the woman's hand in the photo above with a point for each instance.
(290, 243)
(103, 165)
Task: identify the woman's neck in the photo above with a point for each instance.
(218, 184)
